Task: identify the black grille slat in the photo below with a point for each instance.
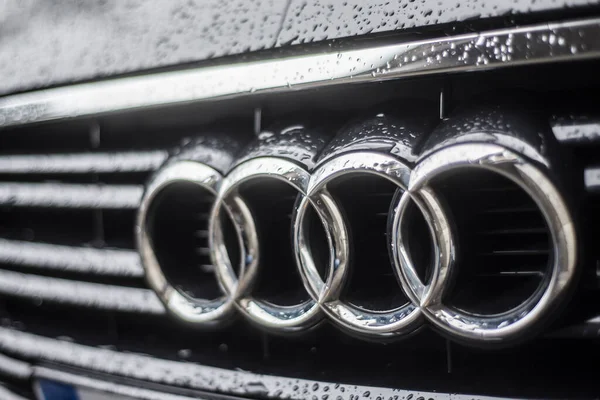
(504, 243)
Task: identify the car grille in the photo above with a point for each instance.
(74, 295)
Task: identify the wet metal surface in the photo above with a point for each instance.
(384, 133)
(67, 258)
(575, 129)
(49, 43)
(84, 294)
(115, 390)
(313, 21)
(591, 179)
(537, 44)
(218, 151)
(508, 125)
(70, 195)
(196, 376)
(45, 43)
(293, 142)
(82, 163)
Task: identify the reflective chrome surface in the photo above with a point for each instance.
(67, 195)
(237, 278)
(270, 316)
(205, 311)
(429, 296)
(395, 132)
(579, 129)
(107, 262)
(369, 323)
(543, 43)
(591, 179)
(426, 301)
(75, 163)
(191, 375)
(80, 293)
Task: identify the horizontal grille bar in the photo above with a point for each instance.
(591, 178)
(14, 368)
(194, 376)
(576, 130)
(68, 258)
(484, 51)
(83, 163)
(84, 294)
(70, 195)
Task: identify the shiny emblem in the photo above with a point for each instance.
(425, 299)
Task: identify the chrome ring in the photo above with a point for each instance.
(429, 296)
(364, 322)
(425, 299)
(440, 230)
(201, 311)
(269, 316)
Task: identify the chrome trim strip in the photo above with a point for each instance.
(591, 179)
(85, 294)
(536, 44)
(69, 258)
(192, 376)
(82, 163)
(105, 386)
(14, 368)
(70, 195)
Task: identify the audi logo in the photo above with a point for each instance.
(426, 296)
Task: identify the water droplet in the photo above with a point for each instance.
(184, 353)
(265, 135)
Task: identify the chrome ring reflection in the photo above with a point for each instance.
(415, 188)
(360, 320)
(430, 296)
(206, 312)
(270, 316)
